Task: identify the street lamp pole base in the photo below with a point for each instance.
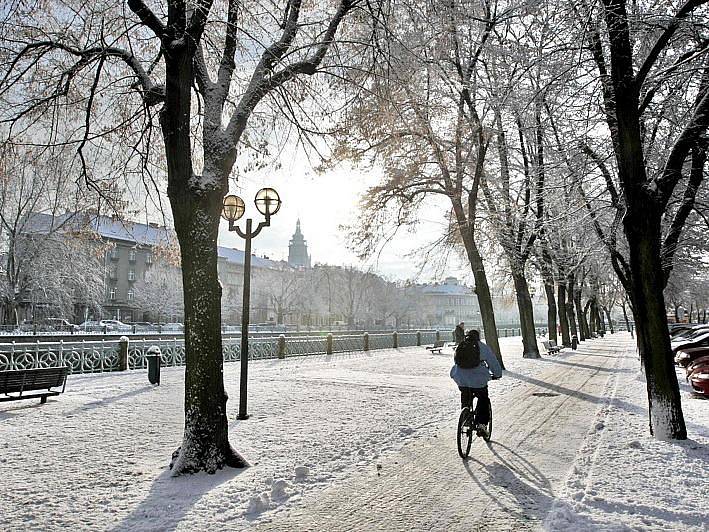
(242, 416)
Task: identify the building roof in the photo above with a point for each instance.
(131, 232)
(451, 287)
(237, 256)
(105, 226)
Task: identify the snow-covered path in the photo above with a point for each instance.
(363, 441)
(507, 485)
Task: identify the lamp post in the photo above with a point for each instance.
(267, 203)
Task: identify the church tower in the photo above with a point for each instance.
(298, 250)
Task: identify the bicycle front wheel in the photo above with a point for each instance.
(465, 432)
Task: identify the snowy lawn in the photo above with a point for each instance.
(96, 457)
(624, 479)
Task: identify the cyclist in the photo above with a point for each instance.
(474, 364)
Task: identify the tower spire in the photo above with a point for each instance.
(298, 249)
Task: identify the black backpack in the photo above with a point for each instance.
(467, 354)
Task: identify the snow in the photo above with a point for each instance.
(327, 434)
(624, 479)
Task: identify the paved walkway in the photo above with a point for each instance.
(506, 485)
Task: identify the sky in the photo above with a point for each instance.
(323, 203)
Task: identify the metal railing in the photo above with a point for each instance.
(105, 355)
(88, 356)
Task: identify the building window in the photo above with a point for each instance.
(130, 294)
(131, 255)
(113, 254)
(113, 272)
(112, 293)
(131, 275)
(148, 258)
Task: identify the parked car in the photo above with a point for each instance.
(698, 375)
(680, 330)
(115, 325)
(101, 325)
(59, 324)
(697, 365)
(688, 333)
(141, 325)
(90, 325)
(687, 355)
(698, 338)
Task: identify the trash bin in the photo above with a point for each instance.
(153, 358)
(574, 342)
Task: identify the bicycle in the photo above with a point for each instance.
(466, 423)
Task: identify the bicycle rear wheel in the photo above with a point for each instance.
(488, 433)
(465, 432)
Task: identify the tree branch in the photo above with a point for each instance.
(148, 18)
(669, 244)
(662, 41)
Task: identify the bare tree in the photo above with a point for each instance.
(42, 225)
(160, 293)
(427, 129)
(284, 289)
(205, 67)
(643, 63)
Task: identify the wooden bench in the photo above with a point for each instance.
(551, 347)
(14, 384)
(436, 347)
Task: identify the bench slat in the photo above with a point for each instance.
(15, 381)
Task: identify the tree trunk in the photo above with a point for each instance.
(11, 312)
(482, 287)
(627, 322)
(601, 319)
(205, 444)
(610, 321)
(588, 317)
(584, 332)
(551, 308)
(526, 315)
(642, 230)
(487, 313)
(570, 307)
(563, 314)
(547, 267)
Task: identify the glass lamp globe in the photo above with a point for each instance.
(267, 201)
(233, 208)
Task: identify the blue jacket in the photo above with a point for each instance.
(478, 377)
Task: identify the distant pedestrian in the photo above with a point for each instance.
(459, 332)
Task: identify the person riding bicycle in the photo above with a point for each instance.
(474, 364)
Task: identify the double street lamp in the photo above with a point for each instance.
(267, 202)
